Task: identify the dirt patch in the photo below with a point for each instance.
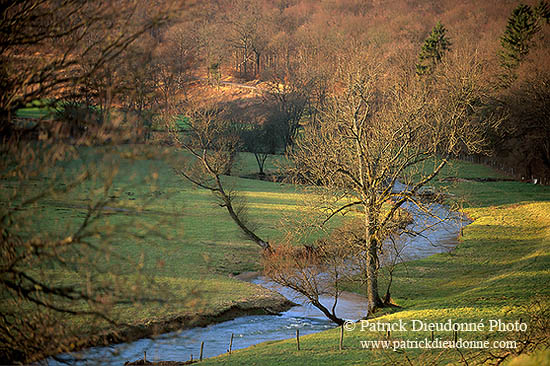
(247, 276)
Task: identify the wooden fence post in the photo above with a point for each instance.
(202, 347)
(298, 339)
(341, 345)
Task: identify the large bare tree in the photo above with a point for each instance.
(380, 142)
(49, 48)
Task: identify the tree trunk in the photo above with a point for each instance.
(373, 297)
(245, 58)
(249, 234)
(387, 297)
(327, 313)
(257, 64)
(260, 159)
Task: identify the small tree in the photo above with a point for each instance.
(288, 108)
(433, 49)
(262, 140)
(312, 273)
(213, 143)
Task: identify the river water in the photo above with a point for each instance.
(443, 227)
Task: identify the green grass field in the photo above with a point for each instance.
(37, 109)
(160, 223)
(191, 247)
(501, 265)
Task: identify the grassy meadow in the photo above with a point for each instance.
(185, 246)
(189, 247)
(500, 270)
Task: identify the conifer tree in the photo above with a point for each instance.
(522, 26)
(433, 49)
(542, 11)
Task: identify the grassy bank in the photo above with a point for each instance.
(184, 245)
(500, 267)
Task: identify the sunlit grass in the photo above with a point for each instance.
(501, 264)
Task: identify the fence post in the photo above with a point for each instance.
(231, 343)
(341, 345)
(298, 339)
(202, 347)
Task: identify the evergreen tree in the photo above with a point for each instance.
(542, 11)
(433, 50)
(522, 26)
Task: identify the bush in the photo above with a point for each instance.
(78, 118)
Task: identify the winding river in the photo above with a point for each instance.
(440, 236)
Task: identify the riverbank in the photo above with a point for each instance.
(268, 303)
(167, 238)
(303, 317)
(499, 271)
(407, 282)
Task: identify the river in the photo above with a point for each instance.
(440, 236)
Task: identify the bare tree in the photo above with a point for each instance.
(263, 140)
(213, 143)
(247, 30)
(173, 61)
(139, 95)
(375, 149)
(318, 270)
(523, 138)
(44, 43)
(210, 46)
(312, 273)
(288, 91)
